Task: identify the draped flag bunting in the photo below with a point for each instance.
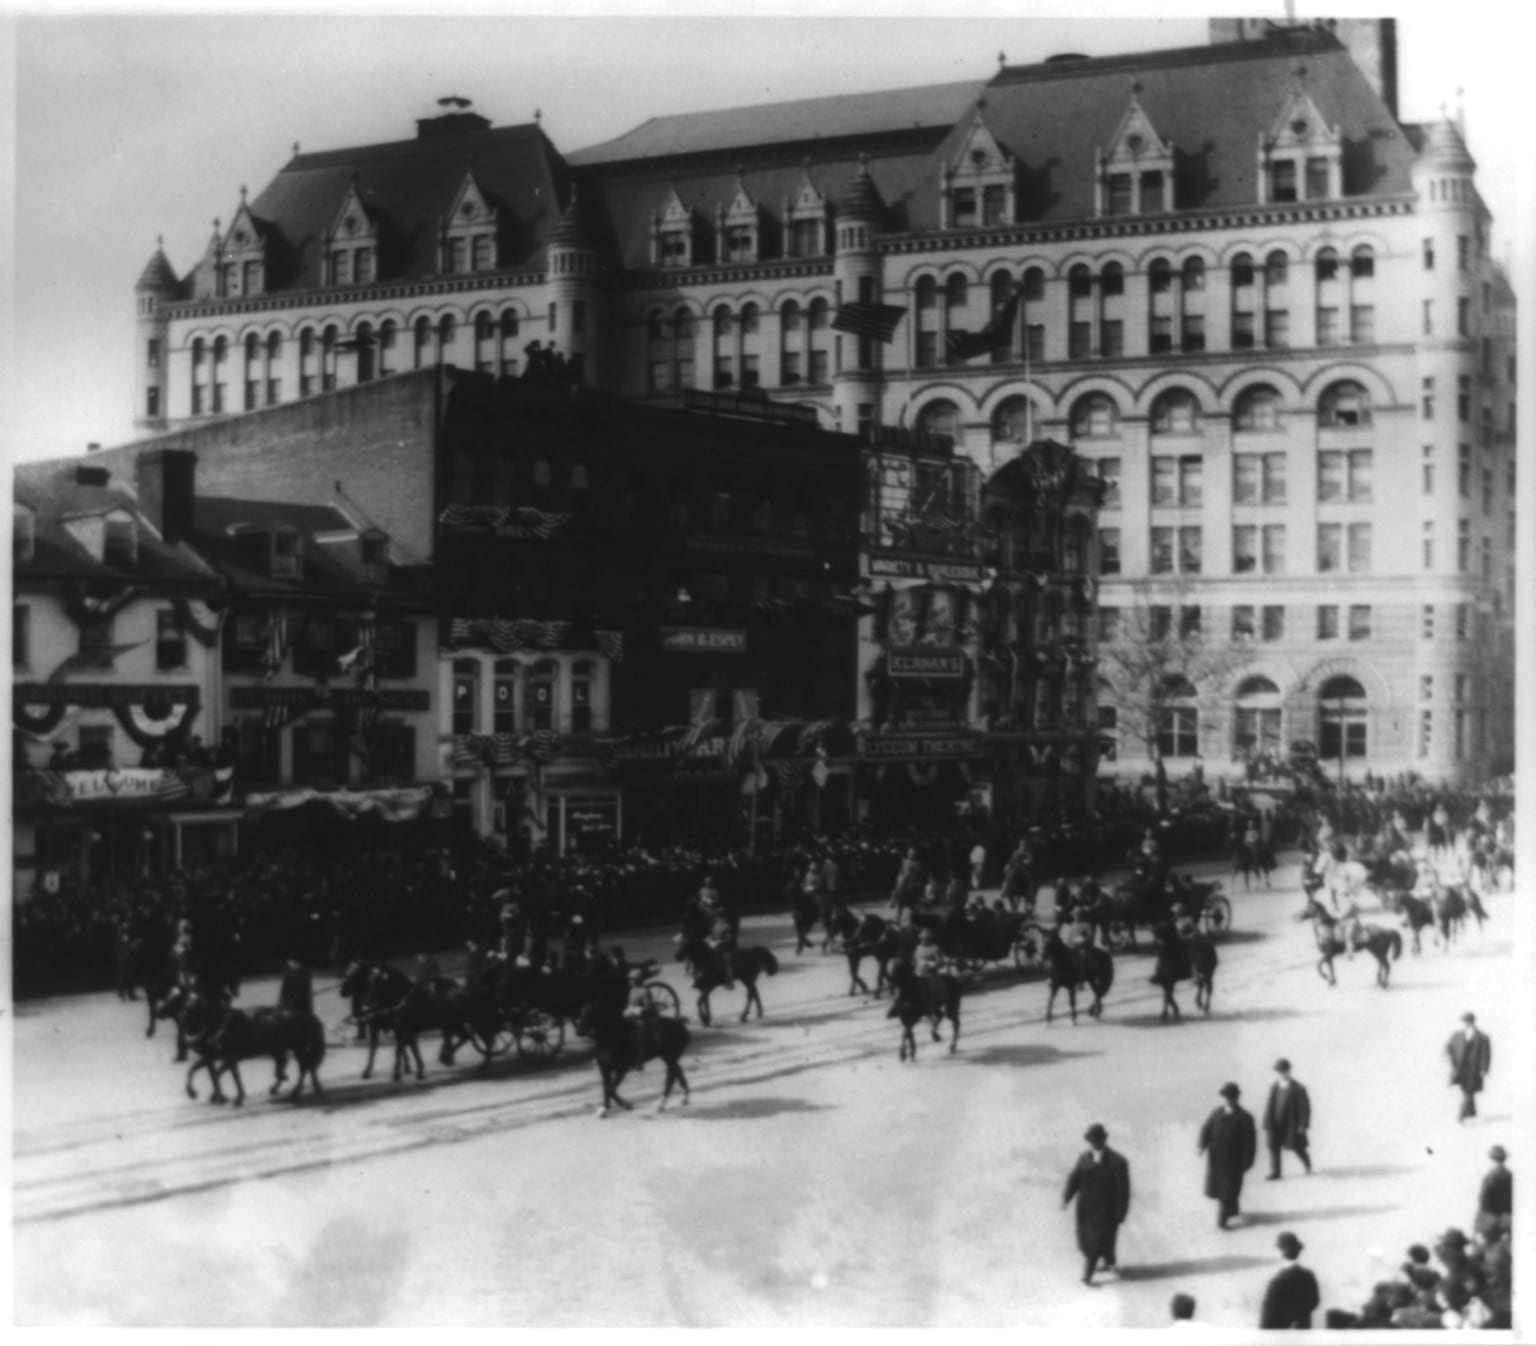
(996, 335)
(516, 521)
(398, 805)
(276, 644)
(506, 636)
(186, 618)
(868, 320)
(611, 644)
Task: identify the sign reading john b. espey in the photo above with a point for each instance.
(702, 640)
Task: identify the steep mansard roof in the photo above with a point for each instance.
(1213, 102)
(408, 186)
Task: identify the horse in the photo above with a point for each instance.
(1450, 906)
(1172, 966)
(1202, 961)
(1253, 861)
(1385, 946)
(1070, 968)
(806, 910)
(935, 997)
(1418, 915)
(620, 1048)
(1020, 886)
(867, 936)
(392, 1000)
(714, 968)
(223, 1037)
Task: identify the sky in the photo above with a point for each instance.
(131, 126)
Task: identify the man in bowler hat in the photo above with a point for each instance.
(1287, 1117)
(1495, 1199)
(1101, 1182)
(1292, 1296)
(1229, 1141)
(1471, 1055)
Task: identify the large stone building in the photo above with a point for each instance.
(1262, 304)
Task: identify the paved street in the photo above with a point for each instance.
(813, 1180)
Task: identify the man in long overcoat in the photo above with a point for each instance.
(1101, 1182)
(1287, 1117)
(1229, 1141)
(1471, 1055)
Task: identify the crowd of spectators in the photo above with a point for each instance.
(1465, 1283)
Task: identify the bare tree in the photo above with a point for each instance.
(1164, 662)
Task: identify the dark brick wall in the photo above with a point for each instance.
(375, 439)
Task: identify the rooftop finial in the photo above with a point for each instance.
(242, 193)
(1301, 74)
(1135, 88)
(160, 242)
(864, 161)
(1002, 59)
(538, 114)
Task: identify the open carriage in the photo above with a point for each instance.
(1149, 899)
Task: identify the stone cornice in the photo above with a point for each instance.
(654, 278)
(353, 294)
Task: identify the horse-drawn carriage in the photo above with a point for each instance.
(1149, 899)
(971, 938)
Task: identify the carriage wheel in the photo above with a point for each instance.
(1120, 934)
(540, 1036)
(496, 1043)
(1029, 947)
(1218, 915)
(663, 999)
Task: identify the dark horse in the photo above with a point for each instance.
(1202, 962)
(1418, 916)
(1173, 966)
(935, 997)
(806, 910)
(1385, 946)
(1253, 862)
(622, 1047)
(1087, 966)
(221, 1038)
(714, 968)
(391, 1000)
(866, 936)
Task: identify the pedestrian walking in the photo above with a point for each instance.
(1292, 1296)
(1287, 1118)
(1229, 1142)
(978, 863)
(296, 991)
(1101, 1182)
(1495, 1199)
(1471, 1055)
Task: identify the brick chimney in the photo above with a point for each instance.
(165, 479)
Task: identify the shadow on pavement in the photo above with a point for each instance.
(1194, 1016)
(747, 1108)
(1299, 1216)
(1193, 1266)
(1365, 1171)
(1027, 1054)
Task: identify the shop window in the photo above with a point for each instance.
(466, 697)
(170, 640)
(95, 642)
(540, 698)
(21, 635)
(583, 673)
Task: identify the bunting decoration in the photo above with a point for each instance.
(186, 618)
(276, 640)
(878, 321)
(611, 644)
(505, 520)
(151, 723)
(506, 636)
(541, 746)
(83, 607)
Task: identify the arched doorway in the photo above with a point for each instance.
(1256, 720)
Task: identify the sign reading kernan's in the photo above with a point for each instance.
(925, 664)
(702, 640)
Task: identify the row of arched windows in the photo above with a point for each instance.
(1344, 404)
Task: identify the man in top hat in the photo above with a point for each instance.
(1292, 1295)
(1101, 1182)
(1471, 1055)
(1229, 1142)
(1495, 1199)
(1287, 1117)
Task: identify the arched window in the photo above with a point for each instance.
(957, 293)
(941, 418)
(1001, 290)
(466, 696)
(387, 333)
(1362, 262)
(485, 343)
(750, 375)
(1242, 271)
(1095, 416)
(365, 352)
(1344, 405)
(423, 343)
(274, 367)
(926, 299)
(1277, 269)
(1014, 422)
(791, 345)
(1178, 727)
(1160, 276)
(724, 326)
(1257, 408)
(583, 674)
(748, 319)
(1193, 277)
(1112, 279)
(504, 697)
(445, 331)
(655, 328)
(1256, 718)
(927, 291)
(1176, 412)
(685, 329)
(1326, 264)
(820, 355)
(220, 357)
(1343, 717)
(328, 358)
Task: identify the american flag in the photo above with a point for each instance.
(536, 521)
(611, 644)
(504, 751)
(996, 335)
(277, 644)
(543, 745)
(172, 786)
(868, 320)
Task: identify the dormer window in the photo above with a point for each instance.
(468, 242)
(242, 262)
(1301, 156)
(979, 185)
(739, 227)
(672, 233)
(120, 541)
(806, 220)
(1135, 171)
(351, 243)
(375, 555)
(23, 534)
(287, 555)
